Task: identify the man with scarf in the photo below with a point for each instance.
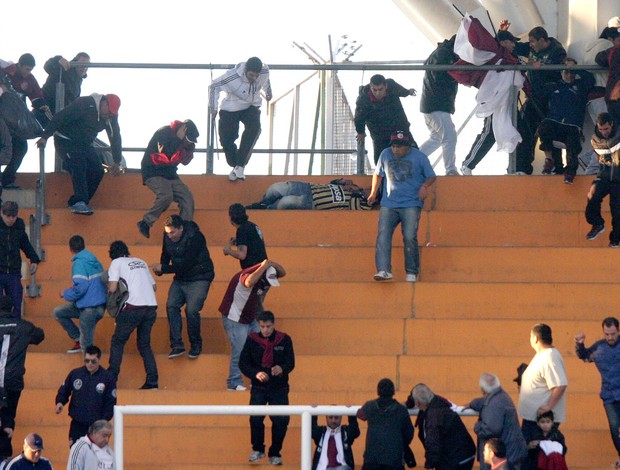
(75, 128)
(267, 359)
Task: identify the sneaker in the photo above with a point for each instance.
(176, 352)
(275, 460)
(81, 208)
(256, 455)
(614, 245)
(466, 171)
(11, 186)
(595, 232)
(232, 176)
(411, 278)
(454, 172)
(77, 348)
(239, 172)
(383, 276)
(147, 386)
(549, 166)
(238, 388)
(144, 229)
(568, 179)
(193, 352)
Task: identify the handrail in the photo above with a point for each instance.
(306, 412)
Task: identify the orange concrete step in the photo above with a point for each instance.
(552, 265)
(497, 301)
(291, 300)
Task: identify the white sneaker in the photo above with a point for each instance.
(383, 276)
(239, 172)
(466, 171)
(255, 456)
(275, 460)
(238, 388)
(233, 176)
(411, 278)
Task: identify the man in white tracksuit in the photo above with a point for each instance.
(243, 85)
(93, 451)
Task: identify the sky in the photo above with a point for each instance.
(205, 31)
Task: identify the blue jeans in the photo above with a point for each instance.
(288, 195)
(192, 294)
(408, 217)
(237, 334)
(88, 317)
(613, 417)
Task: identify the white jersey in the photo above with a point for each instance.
(138, 278)
(86, 455)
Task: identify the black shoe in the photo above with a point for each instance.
(595, 232)
(148, 386)
(144, 228)
(176, 352)
(614, 245)
(257, 206)
(194, 352)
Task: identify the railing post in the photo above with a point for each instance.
(512, 156)
(119, 450)
(210, 144)
(306, 441)
(361, 157)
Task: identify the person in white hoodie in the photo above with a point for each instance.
(243, 85)
(93, 451)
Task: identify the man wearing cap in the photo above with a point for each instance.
(267, 359)
(15, 337)
(26, 85)
(30, 458)
(408, 176)
(241, 303)
(378, 107)
(93, 451)
(14, 238)
(75, 128)
(243, 85)
(169, 147)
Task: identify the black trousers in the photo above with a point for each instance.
(229, 133)
(600, 189)
(481, 146)
(279, 424)
(84, 165)
(7, 416)
(529, 119)
(20, 148)
(550, 130)
(77, 430)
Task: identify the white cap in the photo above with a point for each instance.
(272, 276)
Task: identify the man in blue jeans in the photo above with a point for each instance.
(406, 175)
(87, 297)
(184, 252)
(605, 354)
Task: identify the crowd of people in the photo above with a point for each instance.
(554, 110)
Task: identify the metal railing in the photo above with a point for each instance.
(306, 413)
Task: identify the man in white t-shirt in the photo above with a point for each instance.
(138, 313)
(543, 384)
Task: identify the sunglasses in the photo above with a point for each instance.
(91, 361)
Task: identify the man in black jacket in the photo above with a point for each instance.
(329, 452)
(389, 430)
(75, 128)
(15, 335)
(184, 252)
(447, 444)
(439, 90)
(379, 108)
(60, 70)
(169, 147)
(267, 359)
(13, 238)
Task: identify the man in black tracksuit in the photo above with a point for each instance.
(267, 359)
(19, 334)
(379, 108)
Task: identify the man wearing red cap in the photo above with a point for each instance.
(74, 129)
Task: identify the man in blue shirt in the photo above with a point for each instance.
(605, 354)
(408, 176)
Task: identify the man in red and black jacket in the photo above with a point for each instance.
(170, 146)
(267, 359)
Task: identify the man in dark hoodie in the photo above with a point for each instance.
(184, 252)
(446, 441)
(439, 90)
(267, 359)
(75, 128)
(169, 147)
(605, 142)
(61, 71)
(13, 238)
(15, 335)
(379, 108)
(389, 430)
